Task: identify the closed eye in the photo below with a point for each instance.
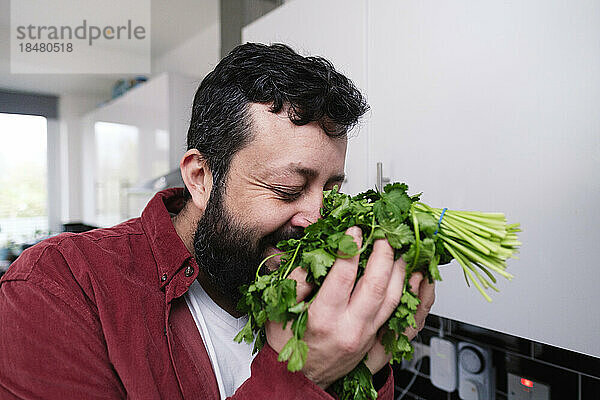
(286, 195)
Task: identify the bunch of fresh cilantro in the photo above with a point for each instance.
(424, 237)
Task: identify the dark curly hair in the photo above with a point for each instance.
(310, 88)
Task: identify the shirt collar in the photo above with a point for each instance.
(168, 249)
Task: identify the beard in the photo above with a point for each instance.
(228, 251)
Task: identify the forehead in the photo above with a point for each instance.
(280, 147)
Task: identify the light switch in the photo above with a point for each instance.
(522, 388)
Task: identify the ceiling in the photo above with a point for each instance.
(172, 23)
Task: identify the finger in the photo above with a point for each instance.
(414, 285)
(303, 288)
(339, 283)
(377, 357)
(277, 337)
(427, 297)
(394, 292)
(414, 282)
(372, 287)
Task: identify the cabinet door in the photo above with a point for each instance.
(493, 106)
(335, 30)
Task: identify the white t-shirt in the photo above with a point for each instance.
(230, 360)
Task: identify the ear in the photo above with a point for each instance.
(197, 177)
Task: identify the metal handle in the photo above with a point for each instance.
(381, 180)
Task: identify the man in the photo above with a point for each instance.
(147, 309)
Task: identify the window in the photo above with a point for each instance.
(117, 170)
(23, 178)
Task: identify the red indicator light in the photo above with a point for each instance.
(526, 382)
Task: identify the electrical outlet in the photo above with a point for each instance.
(443, 364)
(476, 375)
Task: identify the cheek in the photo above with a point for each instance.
(265, 215)
(273, 217)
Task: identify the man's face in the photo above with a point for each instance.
(273, 191)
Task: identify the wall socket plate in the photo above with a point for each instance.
(521, 388)
(443, 364)
(476, 374)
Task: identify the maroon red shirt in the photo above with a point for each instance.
(100, 315)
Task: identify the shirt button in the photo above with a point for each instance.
(189, 271)
(163, 278)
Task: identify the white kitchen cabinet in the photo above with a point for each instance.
(489, 106)
(133, 139)
(493, 106)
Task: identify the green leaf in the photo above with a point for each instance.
(356, 385)
(426, 253)
(298, 308)
(299, 325)
(245, 334)
(410, 300)
(402, 187)
(403, 344)
(294, 352)
(427, 223)
(410, 318)
(347, 245)
(278, 298)
(388, 340)
(433, 268)
(298, 357)
(263, 281)
(342, 208)
(398, 235)
(261, 318)
(398, 198)
(397, 324)
(333, 240)
(259, 342)
(378, 233)
(287, 349)
(318, 262)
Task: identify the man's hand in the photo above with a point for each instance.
(426, 292)
(343, 321)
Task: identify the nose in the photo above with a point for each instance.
(309, 209)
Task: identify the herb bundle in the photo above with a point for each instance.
(423, 236)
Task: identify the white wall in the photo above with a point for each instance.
(198, 55)
(72, 107)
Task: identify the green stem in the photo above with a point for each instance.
(366, 243)
(466, 270)
(291, 262)
(466, 236)
(487, 261)
(488, 273)
(417, 237)
(478, 225)
(265, 260)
